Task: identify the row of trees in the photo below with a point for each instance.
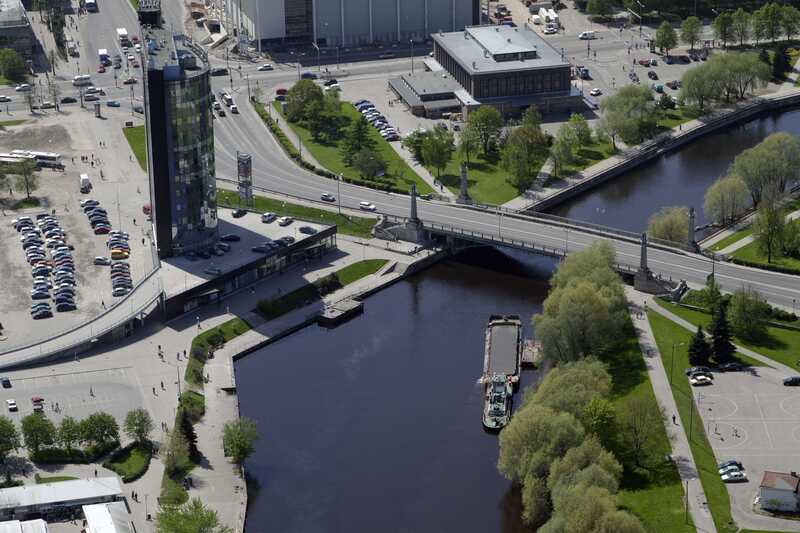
(770, 22)
(722, 77)
(571, 136)
(557, 445)
(667, 38)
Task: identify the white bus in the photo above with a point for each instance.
(13, 159)
(82, 79)
(43, 159)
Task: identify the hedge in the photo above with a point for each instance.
(121, 454)
(765, 266)
(76, 456)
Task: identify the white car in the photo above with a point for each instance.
(266, 218)
(22, 88)
(366, 206)
(699, 380)
(285, 221)
(595, 92)
(733, 477)
(11, 404)
(265, 66)
(550, 31)
(729, 469)
(4, 99)
(234, 109)
(131, 57)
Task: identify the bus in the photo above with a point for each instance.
(43, 159)
(11, 159)
(82, 79)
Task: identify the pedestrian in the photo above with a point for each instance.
(162, 385)
(178, 356)
(673, 420)
(91, 392)
(159, 349)
(130, 158)
(184, 353)
(95, 472)
(103, 303)
(154, 391)
(134, 221)
(142, 241)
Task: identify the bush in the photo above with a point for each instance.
(130, 462)
(195, 405)
(76, 456)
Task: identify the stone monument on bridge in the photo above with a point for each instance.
(463, 195)
(644, 280)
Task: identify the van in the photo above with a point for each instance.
(586, 35)
(227, 99)
(536, 19)
(82, 79)
(86, 185)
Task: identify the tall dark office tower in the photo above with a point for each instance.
(180, 137)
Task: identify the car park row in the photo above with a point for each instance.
(377, 120)
(118, 248)
(56, 273)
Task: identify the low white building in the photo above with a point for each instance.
(107, 518)
(18, 503)
(29, 526)
(778, 491)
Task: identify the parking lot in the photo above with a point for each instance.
(118, 184)
(753, 418)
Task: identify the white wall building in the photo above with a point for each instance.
(778, 491)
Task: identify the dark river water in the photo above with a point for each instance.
(680, 178)
(376, 425)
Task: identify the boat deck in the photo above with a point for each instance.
(503, 346)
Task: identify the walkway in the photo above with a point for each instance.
(744, 241)
(681, 452)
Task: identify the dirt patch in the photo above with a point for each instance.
(52, 138)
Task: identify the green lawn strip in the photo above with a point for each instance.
(311, 292)
(674, 117)
(330, 155)
(131, 462)
(137, 141)
(587, 156)
(781, 345)
(17, 122)
(669, 334)
(347, 225)
(752, 255)
(211, 338)
(487, 181)
(730, 239)
(172, 491)
(52, 479)
(194, 403)
(654, 495)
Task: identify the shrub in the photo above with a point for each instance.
(195, 405)
(75, 456)
(130, 462)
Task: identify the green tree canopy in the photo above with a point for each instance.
(691, 29)
(670, 224)
(580, 128)
(99, 428)
(571, 386)
(27, 181)
(640, 422)
(299, 99)
(790, 21)
(369, 163)
(486, 121)
(721, 345)
(522, 155)
(749, 313)
(38, 431)
(723, 28)
(9, 438)
(768, 18)
(69, 433)
(666, 37)
(191, 517)
(12, 65)
(437, 149)
(138, 425)
(356, 139)
(699, 350)
(238, 438)
(629, 114)
(740, 25)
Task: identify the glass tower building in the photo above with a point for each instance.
(180, 138)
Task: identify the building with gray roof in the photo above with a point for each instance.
(508, 67)
(15, 29)
(19, 503)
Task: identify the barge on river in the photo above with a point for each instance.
(501, 369)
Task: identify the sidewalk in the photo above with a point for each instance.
(681, 452)
(750, 238)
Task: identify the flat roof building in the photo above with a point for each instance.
(22, 502)
(107, 518)
(508, 67)
(15, 29)
(28, 526)
(180, 137)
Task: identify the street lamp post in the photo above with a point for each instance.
(319, 65)
(412, 56)
(339, 193)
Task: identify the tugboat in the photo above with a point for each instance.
(497, 405)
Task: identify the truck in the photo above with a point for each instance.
(553, 17)
(72, 50)
(122, 35)
(91, 6)
(544, 14)
(86, 185)
(102, 56)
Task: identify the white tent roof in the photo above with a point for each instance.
(107, 518)
(62, 491)
(29, 526)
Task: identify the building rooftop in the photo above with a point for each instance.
(27, 526)
(107, 518)
(175, 53)
(63, 491)
(498, 48)
(12, 13)
(780, 481)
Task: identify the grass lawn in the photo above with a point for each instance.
(750, 253)
(399, 174)
(346, 224)
(16, 122)
(673, 117)
(667, 334)
(654, 495)
(588, 155)
(781, 345)
(136, 138)
(730, 239)
(200, 346)
(194, 403)
(487, 182)
(133, 461)
(52, 479)
(172, 492)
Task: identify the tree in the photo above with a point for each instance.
(740, 25)
(670, 224)
(533, 439)
(9, 438)
(413, 143)
(562, 152)
(723, 28)
(138, 425)
(325, 119)
(640, 423)
(571, 386)
(238, 438)
(769, 166)
(191, 517)
(698, 85)
(590, 455)
(535, 501)
(26, 181)
(12, 65)
(187, 428)
(175, 455)
(520, 157)
(69, 433)
(629, 114)
(99, 428)
(769, 18)
(580, 128)
(600, 8)
(745, 72)
(721, 345)
(748, 314)
(300, 97)
(780, 63)
(356, 139)
(369, 164)
(790, 21)
(437, 149)
(691, 28)
(758, 26)
(599, 417)
(768, 229)
(581, 508)
(619, 522)
(699, 350)
(666, 37)
(486, 121)
(38, 431)
(468, 143)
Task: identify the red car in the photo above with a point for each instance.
(644, 62)
(101, 230)
(101, 69)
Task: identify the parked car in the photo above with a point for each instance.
(307, 230)
(692, 370)
(239, 213)
(738, 476)
(5, 382)
(731, 462)
(130, 81)
(268, 218)
(12, 405)
(595, 92)
(731, 367)
(308, 76)
(698, 380)
(230, 237)
(285, 221)
(793, 381)
(112, 103)
(265, 66)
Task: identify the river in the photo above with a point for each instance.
(376, 425)
(679, 178)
